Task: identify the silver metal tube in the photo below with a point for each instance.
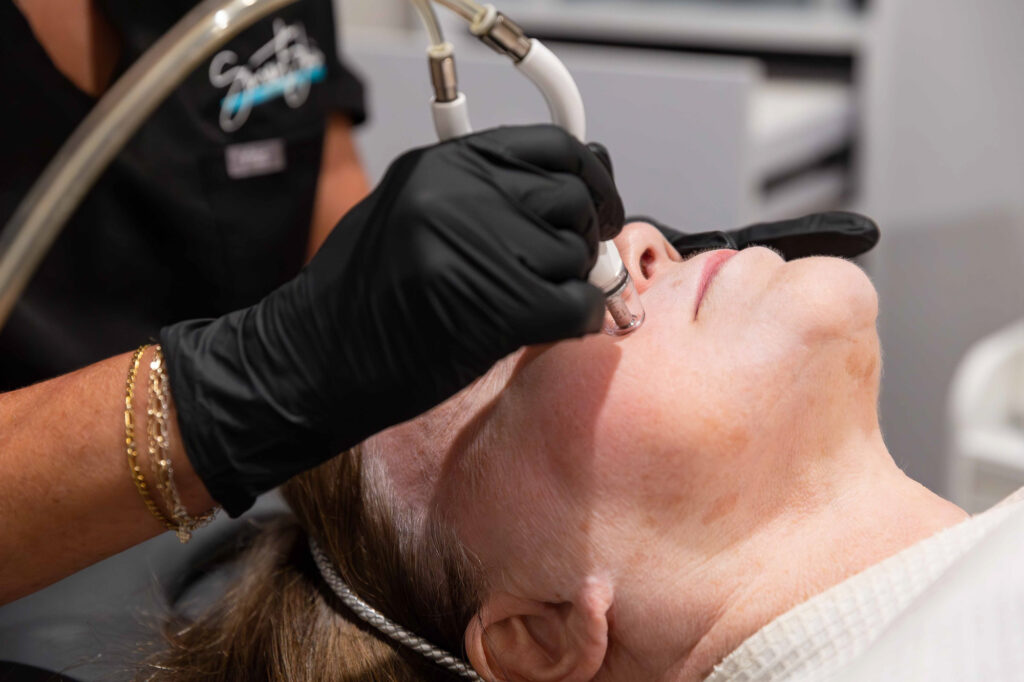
(443, 76)
(507, 38)
(43, 212)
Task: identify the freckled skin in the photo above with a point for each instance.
(694, 433)
(862, 366)
(687, 398)
(664, 424)
(723, 506)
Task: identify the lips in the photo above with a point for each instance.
(712, 264)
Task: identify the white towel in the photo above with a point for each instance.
(945, 608)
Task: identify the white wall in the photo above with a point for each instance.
(944, 175)
(376, 13)
(945, 97)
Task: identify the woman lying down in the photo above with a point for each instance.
(708, 498)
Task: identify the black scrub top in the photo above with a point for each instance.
(205, 211)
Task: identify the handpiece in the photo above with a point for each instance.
(624, 311)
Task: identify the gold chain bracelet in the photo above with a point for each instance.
(138, 478)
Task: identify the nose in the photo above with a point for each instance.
(644, 251)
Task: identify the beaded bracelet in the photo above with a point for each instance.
(158, 417)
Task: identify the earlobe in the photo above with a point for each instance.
(513, 639)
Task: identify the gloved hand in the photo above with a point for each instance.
(835, 233)
(466, 251)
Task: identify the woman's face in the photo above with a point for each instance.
(686, 426)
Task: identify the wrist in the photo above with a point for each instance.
(194, 495)
(148, 436)
(246, 423)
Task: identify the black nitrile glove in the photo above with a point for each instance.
(465, 252)
(835, 233)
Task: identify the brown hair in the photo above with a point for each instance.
(281, 622)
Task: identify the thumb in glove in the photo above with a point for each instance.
(833, 233)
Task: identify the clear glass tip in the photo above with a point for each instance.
(624, 313)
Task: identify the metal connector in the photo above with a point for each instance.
(442, 74)
(504, 36)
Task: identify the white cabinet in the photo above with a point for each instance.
(804, 26)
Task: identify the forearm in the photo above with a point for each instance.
(342, 183)
(66, 496)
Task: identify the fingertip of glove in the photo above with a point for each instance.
(868, 226)
(612, 219)
(601, 152)
(585, 304)
(611, 213)
(858, 226)
(570, 310)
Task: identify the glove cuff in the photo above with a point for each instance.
(240, 441)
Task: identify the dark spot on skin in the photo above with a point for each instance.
(862, 366)
(721, 507)
(729, 436)
(736, 439)
(676, 500)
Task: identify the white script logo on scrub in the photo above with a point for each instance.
(287, 66)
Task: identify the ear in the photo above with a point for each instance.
(522, 640)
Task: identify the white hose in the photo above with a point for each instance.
(549, 74)
(451, 119)
(426, 12)
(467, 9)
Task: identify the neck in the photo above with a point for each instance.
(78, 39)
(870, 512)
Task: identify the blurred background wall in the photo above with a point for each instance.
(729, 111)
(944, 173)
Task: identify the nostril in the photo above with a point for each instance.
(647, 263)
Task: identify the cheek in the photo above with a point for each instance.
(711, 390)
(684, 402)
(706, 398)
(712, 367)
(562, 394)
(676, 389)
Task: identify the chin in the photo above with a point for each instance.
(835, 296)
